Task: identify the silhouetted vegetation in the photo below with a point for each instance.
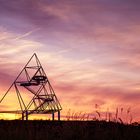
(67, 130)
(121, 115)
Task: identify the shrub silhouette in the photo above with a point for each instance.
(68, 130)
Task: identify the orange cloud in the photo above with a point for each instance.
(89, 50)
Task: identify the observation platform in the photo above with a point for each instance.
(35, 81)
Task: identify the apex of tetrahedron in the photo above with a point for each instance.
(33, 82)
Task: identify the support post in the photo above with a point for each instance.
(22, 116)
(58, 115)
(53, 116)
(26, 115)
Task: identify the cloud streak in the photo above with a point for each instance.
(89, 48)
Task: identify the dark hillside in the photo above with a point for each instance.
(67, 130)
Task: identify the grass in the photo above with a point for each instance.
(67, 130)
(77, 126)
(121, 115)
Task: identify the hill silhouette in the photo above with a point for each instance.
(67, 130)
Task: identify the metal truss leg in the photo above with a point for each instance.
(58, 115)
(22, 116)
(26, 115)
(53, 116)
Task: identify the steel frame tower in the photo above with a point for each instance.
(34, 80)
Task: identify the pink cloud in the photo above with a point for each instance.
(89, 49)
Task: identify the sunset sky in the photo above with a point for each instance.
(90, 50)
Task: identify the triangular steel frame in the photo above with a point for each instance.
(44, 100)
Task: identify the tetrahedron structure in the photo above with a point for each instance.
(34, 82)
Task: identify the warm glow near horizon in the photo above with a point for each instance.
(90, 50)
